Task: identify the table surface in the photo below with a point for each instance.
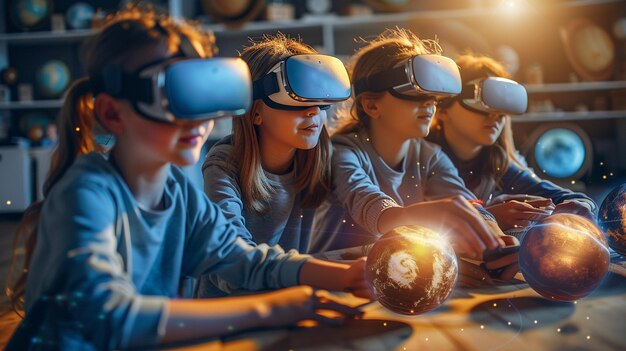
(502, 317)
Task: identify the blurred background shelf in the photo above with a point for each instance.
(576, 86)
(568, 116)
(37, 104)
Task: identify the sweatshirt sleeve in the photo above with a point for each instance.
(214, 246)
(222, 187)
(80, 234)
(443, 180)
(518, 180)
(356, 191)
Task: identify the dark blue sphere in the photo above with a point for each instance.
(612, 219)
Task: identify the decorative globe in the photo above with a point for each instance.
(560, 152)
(52, 78)
(411, 270)
(79, 15)
(612, 219)
(33, 124)
(564, 257)
(30, 13)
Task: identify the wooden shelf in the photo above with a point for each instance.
(568, 116)
(36, 104)
(572, 87)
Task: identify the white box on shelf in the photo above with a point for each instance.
(42, 157)
(15, 179)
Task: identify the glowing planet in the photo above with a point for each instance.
(411, 270)
(560, 152)
(564, 257)
(612, 219)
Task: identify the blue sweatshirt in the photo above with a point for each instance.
(516, 180)
(364, 186)
(114, 265)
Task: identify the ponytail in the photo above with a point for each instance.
(77, 122)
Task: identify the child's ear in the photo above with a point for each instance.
(256, 118)
(371, 107)
(256, 114)
(107, 111)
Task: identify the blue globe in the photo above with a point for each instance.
(560, 152)
(29, 13)
(79, 15)
(52, 78)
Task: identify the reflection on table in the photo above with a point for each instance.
(507, 316)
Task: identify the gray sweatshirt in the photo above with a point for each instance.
(364, 186)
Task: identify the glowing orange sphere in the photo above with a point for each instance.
(564, 257)
(411, 270)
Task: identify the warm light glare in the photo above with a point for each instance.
(512, 6)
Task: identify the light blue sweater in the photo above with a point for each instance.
(364, 186)
(113, 265)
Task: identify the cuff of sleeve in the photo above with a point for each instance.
(486, 214)
(290, 272)
(374, 211)
(146, 323)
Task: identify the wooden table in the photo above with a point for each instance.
(503, 317)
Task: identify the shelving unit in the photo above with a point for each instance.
(329, 32)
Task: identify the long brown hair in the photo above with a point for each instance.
(498, 156)
(120, 37)
(312, 166)
(384, 52)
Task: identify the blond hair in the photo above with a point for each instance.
(312, 166)
(391, 47)
(120, 37)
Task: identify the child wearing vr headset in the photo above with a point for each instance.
(269, 176)
(108, 247)
(474, 129)
(384, 174)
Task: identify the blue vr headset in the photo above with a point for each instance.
(302, 81)
(419, 78)
(181, 89)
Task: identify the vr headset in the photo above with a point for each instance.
(494, 95)
(181, 89)
(419, 78)
(302, 81)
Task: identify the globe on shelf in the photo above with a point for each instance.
(33, 125)
(53, 78)
(28, 14)
(612, 218)
(411, 270)
(564, 257)
(79, 15)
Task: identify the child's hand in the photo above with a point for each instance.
(520, 214)
(575, 207)
(286, 307)
(506, 266)
(468, 232)
(474, 274)
(348, 277)
(355, 282)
